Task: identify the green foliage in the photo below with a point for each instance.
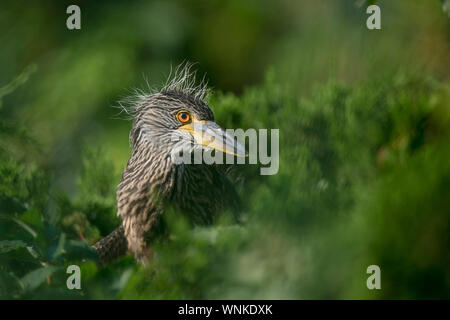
(94, 210)
(33, 249)
(356, 166)
(364, 174)
(312, 229)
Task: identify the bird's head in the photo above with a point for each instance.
(175, 120)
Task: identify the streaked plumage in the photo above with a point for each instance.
(151, 180)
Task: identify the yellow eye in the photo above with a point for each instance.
(184, 117)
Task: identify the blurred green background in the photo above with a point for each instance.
(364, 119)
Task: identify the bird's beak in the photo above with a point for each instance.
(211, 135)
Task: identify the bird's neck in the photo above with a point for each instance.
(152, 165)
(149, 174)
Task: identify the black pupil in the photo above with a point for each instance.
(184, 116)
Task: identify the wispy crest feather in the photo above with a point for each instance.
(181, 79)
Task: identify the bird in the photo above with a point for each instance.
(169, 125)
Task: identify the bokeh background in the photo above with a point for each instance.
(364, 119)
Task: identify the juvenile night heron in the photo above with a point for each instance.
(167, 123)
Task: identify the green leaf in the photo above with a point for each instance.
(9, 245)
(26, 227)
(17, 82)
(10, 285)
(11, 205)
(57, 250)
(78, 250)
(35, 278)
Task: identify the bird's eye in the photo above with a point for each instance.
(184, 117)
